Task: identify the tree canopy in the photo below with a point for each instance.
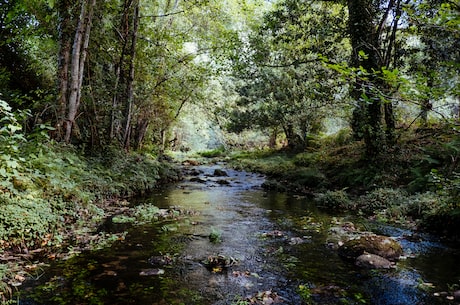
(124, 72)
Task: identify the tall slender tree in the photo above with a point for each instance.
(130, 80)
(72, 58)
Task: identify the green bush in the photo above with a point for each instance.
(11, 140)
(335, 200)
(274, 166)
(383, 198)
(274, 185)
(358, 176)
(147, 212)
(343, 137)
(310, 177)
(422, 204)
(30, 222)
(217, 152)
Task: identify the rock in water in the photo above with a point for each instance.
(373, 244)
(151, 272)
(220, 173)
(372, 261)
(456, 295)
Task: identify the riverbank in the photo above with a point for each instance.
(227, 241)
(415, 184)
(53, 198)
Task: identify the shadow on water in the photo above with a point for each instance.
(272, 247)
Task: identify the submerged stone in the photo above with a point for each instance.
(223, 182)
(161, 260)
(372, 261)
(151, 272)
(218, 263)
(456, 295)
(296, 241)
(197, 179)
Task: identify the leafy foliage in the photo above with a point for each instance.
(30, 222)
(45, 186)
(282, 84)
(218, 152)
(335, 200)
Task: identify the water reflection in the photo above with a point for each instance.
(279, 242)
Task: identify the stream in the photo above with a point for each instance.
(239, 244)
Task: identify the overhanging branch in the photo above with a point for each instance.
(163, 15)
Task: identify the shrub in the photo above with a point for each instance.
(422, 204)
(335, 200)
(29, 222)
(383, 198)
(344, 137)
(11, 140)
(145, 213)
(274, 185)
(217, 152)
(307, 177)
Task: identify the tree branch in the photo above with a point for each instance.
(163, 15)
(294, 63)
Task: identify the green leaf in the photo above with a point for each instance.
(363, 55)
(12, 163)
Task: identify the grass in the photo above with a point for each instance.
(215, 236)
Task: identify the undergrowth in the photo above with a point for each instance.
(416, 181)
(55, 184)
(52, 194)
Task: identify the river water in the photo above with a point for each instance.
(267, 248)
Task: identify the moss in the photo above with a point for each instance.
(374, 244)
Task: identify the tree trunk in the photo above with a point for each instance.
(390, 123)
(273, 138)
(426, 103)
(79, 51)
(141, 130)
(119, 90)
(130, 85)
(65, 46)
(364, 40)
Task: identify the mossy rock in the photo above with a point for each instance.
(273, 185)
(220, 173)
(373, 244)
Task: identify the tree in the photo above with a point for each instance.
(373, 33)
(285, 84)
(74, 37)
(25, 44)
(432, 57)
